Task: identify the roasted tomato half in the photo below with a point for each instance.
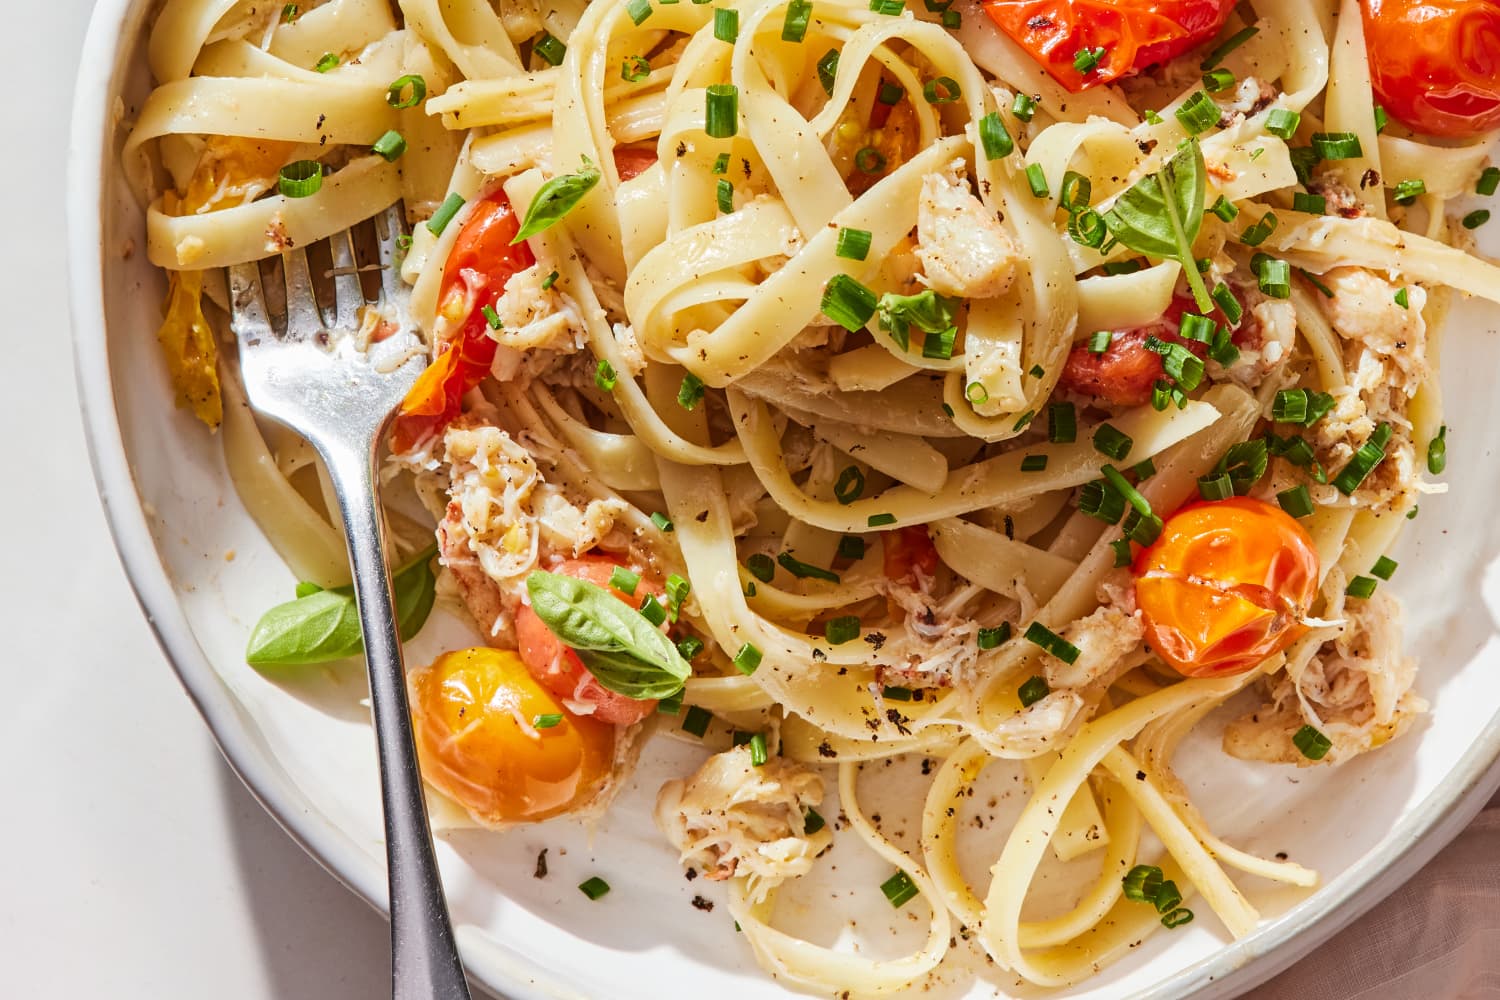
(500, 744)
(1435, 64)
(1083, 43)
(1225, 586)
(559, 668)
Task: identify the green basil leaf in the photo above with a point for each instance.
(324, 625)
(1161, 213)
(557, 198)
(625, 652)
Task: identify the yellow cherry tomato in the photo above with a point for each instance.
(476, 714)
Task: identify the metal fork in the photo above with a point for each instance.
(307, 371)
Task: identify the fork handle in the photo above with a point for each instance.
(424, 957)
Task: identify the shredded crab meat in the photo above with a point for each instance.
(731, 818)
(1356, 691)
(935, 648)
(961, 245)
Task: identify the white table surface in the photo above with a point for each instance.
(133, 863)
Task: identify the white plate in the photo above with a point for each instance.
(306, 751)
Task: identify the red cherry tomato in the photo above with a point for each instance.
(481, 262)
(907, 550)
(1225, 586)
(559, 669)
(1126, 372)
(1134, 34)
(632, 161)
(1435, 64)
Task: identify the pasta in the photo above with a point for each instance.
(873, 374)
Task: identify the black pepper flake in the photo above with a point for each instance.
(541, 865)
(875, 639)
(706, 905)
(1010, 527)
(681, 149)
(898, 720)
(824, 750)
(1140, 776)
(690, 874)
(1370, 178)
(1281, 855)
(819, 655)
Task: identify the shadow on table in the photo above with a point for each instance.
(317, 939)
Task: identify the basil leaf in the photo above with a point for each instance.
(1160, 215)
(557, 198)
(624, 651)
(323, 626)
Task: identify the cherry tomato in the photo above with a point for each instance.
(481, 262)
(474, 714)
(632, 161)
(1225, 586)
(1134, 34)
(908, 550)
(559, 668)
(1126, 372)
(1435, 64)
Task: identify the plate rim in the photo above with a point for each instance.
(1237, 966)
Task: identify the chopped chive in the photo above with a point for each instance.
(1245, 462)
(990, 638)
(634, 69)
(1215, 487)
(1282, 123)
(841, 630)
(1034, 463)
(1101, 501)
(1312, 204)
(593, 887)
(1369, 455)
(828, 68)
(1050, 642)
(952, 19)
(803, 571)
(549, 280)
(651, 609)
(851, 547)
(1290, 406)
(1312, 279)
(942, 90)
(1143, 529)
(490, 316)
(677, 592)
(1099, 342)
(1257, 234)
(1178, 917)
(604, 377)
(850, 485)
(638, 10)
(1230, 306)
(548, 721)
(794, 27)
(445, 213)
(1337, 145)
(696, 721)
(896, 693)
(1087, 228)
(1152, 118)
(289, 14)
(1217, 81)
(1407, 192)
(1275, 278)
(1313, 744)
(1198, 113)
(976, 393)
(1062, 423)
(747, 660)
(939, 344)
(300, 179)
(1142, 883)
(761, 566)
(390, 146)
(1381, 119)
(672, 704)
(853, 244)
(721, 165)
(1296, 501)
(758, 752)
(1227, 46)
(1033, 690)
(1195, 327)
(1167, 897)
(725, 194)
(1225, 209)
(812, 821)
(326, 62)
(726, 24)
(393, 94)
(994, 137)
(550, 48)
(1489, 182)
(880, 520)
(1402, 298)
(848, 303)
(899, 888)
(1037, 180)
(1024, 107)
(721, 110)
(869, 160)
(689, 646)
(623, 579)
(1385, 567)
(1476, 218)
(1087, 60)
(1304, 160)
(1075, 192)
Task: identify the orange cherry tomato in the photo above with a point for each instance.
(481, 262)
(474, 713)
(1435, 64)
(559, 669)
(907, 550)
(1134, 34)
(1225, 586)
